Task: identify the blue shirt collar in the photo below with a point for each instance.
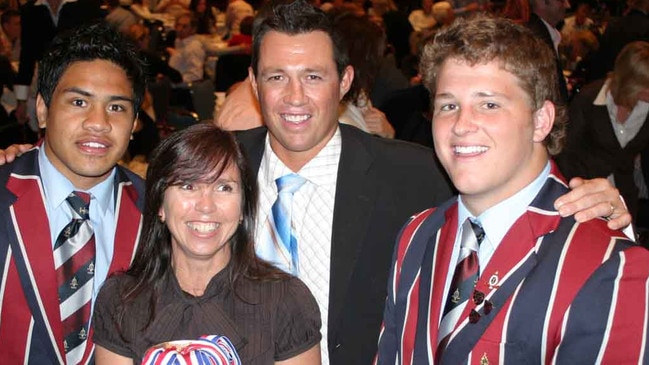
(57, 187)
(497, 220)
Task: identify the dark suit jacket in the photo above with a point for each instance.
(38, 30)
(30, 320)
(592, 150)
(536, 25)
(380, 184)
(553, 287)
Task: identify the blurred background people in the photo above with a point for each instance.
(422, 19)
(40, 22)
(205, 14)
(187, 55)
(10, 36)
(579, 21)
(632, 26)
(120, 17)
(236, 11)
(608, 126)
(173, 7)
(365, 44)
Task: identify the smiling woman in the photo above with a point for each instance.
(195, 271)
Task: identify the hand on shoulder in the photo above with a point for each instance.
(13, 151)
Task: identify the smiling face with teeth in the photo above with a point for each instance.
(202, 218)
(299, 91)
(486, 133)
(88, 122)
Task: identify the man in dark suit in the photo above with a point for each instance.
(545, 16)
(359, 188)
(41, 21)
(90, 88)
(496, 275)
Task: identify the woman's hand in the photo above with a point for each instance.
(377, 123)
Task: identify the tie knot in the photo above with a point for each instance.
(472, 235)
(477, 230)
(289, 183)
(80, 202)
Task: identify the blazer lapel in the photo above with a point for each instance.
(353, 206)
(432, 286)
(512, 261)
(129, 222)
(33, 250)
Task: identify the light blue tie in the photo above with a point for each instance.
(280, 220)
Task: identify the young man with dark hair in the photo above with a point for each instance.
(70, 216)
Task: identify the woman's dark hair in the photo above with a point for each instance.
(206, 19)
(197, 154)
(365, 44)
(97, 41)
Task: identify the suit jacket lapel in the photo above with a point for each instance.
(33, 250)
(253, 144)
(356, 192)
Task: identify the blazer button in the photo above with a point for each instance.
(337, 346)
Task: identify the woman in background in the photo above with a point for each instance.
(608, 125)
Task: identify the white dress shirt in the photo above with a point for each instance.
(312, 218)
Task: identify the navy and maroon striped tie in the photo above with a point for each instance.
(74, 259)
(464, 279)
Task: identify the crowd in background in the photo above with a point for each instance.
(198, 52)
(339, 91)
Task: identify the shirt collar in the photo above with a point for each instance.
(601, 96)
(497, 220)
(325, 161)
(57, 187)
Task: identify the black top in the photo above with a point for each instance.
(266, 321)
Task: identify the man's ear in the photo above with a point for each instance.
(253, 82)
(346, 80)
(137, 115)
(41, 111)
(543, 121)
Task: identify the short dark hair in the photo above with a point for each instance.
(293, 18)
(89, 42)
(482, 39)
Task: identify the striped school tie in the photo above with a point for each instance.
(74, 259)
(464, 279)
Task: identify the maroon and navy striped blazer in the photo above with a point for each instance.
(30, 321)
(562, 292)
